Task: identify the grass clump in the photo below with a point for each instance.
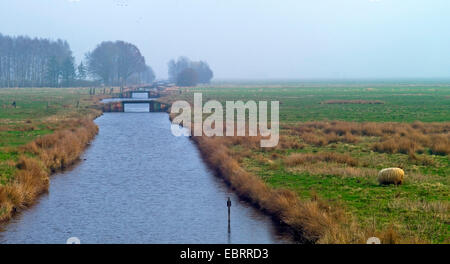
(45, 133)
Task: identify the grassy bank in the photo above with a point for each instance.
(321, 178)
(45, 132)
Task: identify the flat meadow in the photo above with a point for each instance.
(321, 179)
(42, 130)
(335, 137)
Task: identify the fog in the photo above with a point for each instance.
(257, 39)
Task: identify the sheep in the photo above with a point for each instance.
(391, 176)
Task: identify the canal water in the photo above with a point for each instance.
(136, 108)
(137, 183)
(139, 95)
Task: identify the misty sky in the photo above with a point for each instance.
(254, 38)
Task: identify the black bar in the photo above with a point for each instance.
(233, 254)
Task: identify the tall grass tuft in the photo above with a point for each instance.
(302, 158)
(49, 153)
(311, 221)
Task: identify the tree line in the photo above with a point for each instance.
(185, 72)
(38, 62)
(34, 62)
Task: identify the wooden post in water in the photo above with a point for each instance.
(229, 212)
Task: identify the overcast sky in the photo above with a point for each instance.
(254, 38)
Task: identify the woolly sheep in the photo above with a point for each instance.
(391, 176)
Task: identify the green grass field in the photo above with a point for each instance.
(37, 112)
(302, 101)
(418, 208)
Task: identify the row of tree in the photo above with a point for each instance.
(27, 62)
(185, 72)
(34, 62)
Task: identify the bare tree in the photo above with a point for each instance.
(102, 61)
(202, 70)
(204, 73)
(188, 77)
(129, 61)
(145, 77)
(82, 71)
(115, 62)
(33, 62)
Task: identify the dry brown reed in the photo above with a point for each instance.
(49, 154)
(62, 148)
(322, 168)
(302, 158)
(316, 221)
(403, 138)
